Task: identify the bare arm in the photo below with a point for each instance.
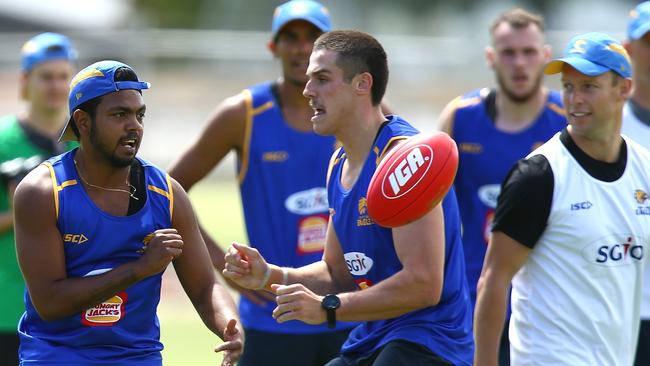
(446, 118)
(42, 260)
(7, 217)
(195, 272)
(224, 131)
(420, 248)
(504, 257)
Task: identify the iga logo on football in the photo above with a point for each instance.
(407, 171)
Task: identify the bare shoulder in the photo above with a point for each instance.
(446, 118)
(35, 193)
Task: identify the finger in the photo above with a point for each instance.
(285, 308)
(286, 316)
(231, 327)
(176, 243)
(169, 230)
(283, 290)
(228, 346)
(236, 268)
(245, 249)
(175, 252)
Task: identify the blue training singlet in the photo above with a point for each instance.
(282, 177)
(445, 329)
(124, 329)
(486, 155)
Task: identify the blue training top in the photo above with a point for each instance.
(486, 155)
(124, 329)
(445, 329)
(282, 176)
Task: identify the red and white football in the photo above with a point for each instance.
(412, 178)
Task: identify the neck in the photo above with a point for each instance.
(604, 146)
(98, 171)
(513, 116)
(641, 94)
(46, 122)
(359, 134)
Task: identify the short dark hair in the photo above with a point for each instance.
(90, 106)
(518, 18)
(358, 52)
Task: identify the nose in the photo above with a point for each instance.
(308, 91)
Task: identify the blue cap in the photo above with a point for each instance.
(307, 10)
(46, 47)
(639, 21)
(94, 81)
(593, 54)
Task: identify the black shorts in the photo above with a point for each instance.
(9, 342)
(643, 347)
(394, 353)
(265, 348)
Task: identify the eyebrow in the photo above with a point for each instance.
(320, 72)
(126, 109)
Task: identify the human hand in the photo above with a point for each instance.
(233, 344)
(245, 266)
(297, 302)
(163, 246)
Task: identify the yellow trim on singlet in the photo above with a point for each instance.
(248, 128)
(556, 108)
(57, 188)
(262, 108)
(388, 144)
(168, 194)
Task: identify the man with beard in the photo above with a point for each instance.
(496, 127)
(282, 166)
(26, 139)
(95, 229)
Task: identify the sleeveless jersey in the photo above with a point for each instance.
(576, 299)
(282, 182)
(124, 329)
(486, 154)
(445, 329)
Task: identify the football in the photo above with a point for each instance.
(412, 178)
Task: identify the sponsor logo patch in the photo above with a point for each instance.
(358, 263)
(307, 202)
(614, 251)
(106, 313)
(311, 234)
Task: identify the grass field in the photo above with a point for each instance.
(187, 341)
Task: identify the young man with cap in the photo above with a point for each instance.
(406, 285)
(95, 229)
(496, 127)
(571, 228)
(636, 125)
(26, 139)
(282, 165)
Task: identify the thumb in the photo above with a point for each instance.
(231, 328)
(244, 249)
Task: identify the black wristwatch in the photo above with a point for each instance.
(330, 303)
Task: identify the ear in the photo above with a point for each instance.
(22, 85)
(272, 47)
(490, 55)
(547, 52)
(628, 47)
(363, 83)
(82, 121)
(626, 88)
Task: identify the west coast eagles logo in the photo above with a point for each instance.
(363, 219)
(640, 196)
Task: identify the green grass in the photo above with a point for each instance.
(187, 341)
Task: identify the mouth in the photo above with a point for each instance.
(130, 143)
(318, 110)
(579, 114)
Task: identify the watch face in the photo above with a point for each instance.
(331, 302)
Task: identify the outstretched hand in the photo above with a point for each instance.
(233, 344)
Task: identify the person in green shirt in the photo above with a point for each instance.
(26, 139)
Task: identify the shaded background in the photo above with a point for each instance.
(198, 52)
